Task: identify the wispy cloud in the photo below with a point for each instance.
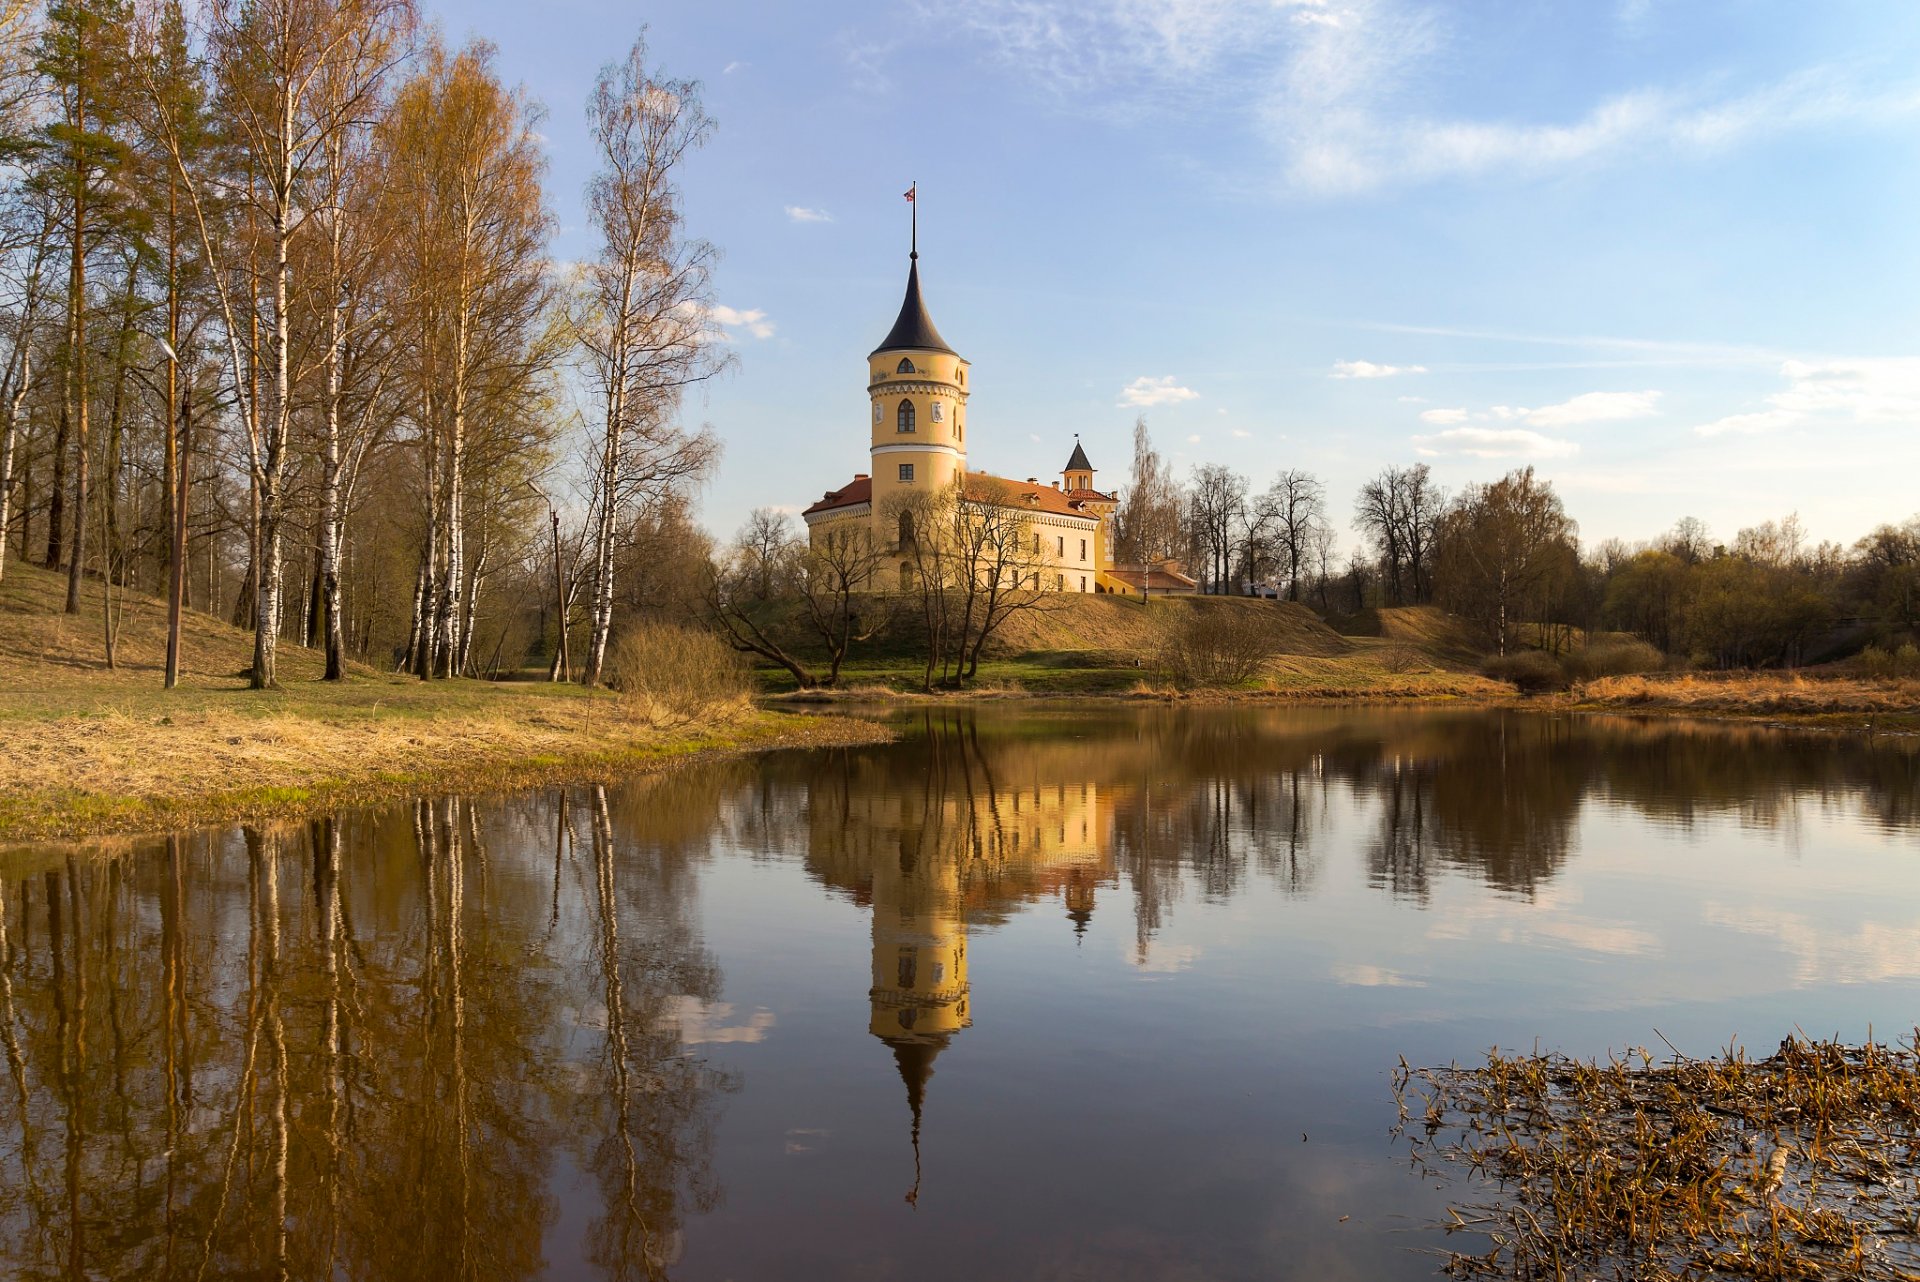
(1493, 442)
(728, 319)
(735, 65)
(1146, 393)
(1342, 90)
(1596, 407)
(1588, 407)
(1857, 390)
(1367, 369)
(801, 214)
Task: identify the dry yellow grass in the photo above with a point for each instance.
(85, 751)
(1757, 693)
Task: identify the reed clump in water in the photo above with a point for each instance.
(1802, 1165)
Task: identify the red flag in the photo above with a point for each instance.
(909, 193)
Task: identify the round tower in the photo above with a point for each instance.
(917, 388)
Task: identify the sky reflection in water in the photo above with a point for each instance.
(1030, 994)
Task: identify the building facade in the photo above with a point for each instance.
(917, 389)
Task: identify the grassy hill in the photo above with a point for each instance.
(91, 750)
(1076, 644)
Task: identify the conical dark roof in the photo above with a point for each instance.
(914, 328)
(1078, 463)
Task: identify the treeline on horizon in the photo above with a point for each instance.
(1506, 556)
(281, 336)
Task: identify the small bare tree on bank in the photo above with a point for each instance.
(1147, 524)
(973, 560)
(831, 580)
(642, 315)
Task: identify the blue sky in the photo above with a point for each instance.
(1667, 251)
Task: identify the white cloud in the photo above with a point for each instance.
(1367, 369)
(701, 1023)
(734, 66)
(755, 321)
(1595, 407)
(1194, 439)
(1157, 958)
(1442, 418)
(801, 214)
(1358, 975)
(1339, 88)
(1493, 442)
(1241, 433)
(1832, 392)
(1145, 393)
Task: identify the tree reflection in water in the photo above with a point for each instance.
(417, 1043)
(332, 1050)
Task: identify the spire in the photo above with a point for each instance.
(1078, 463)
(915, 1059)
(913, 328)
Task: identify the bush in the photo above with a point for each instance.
(1217, 646)
(1530, 671)
(1613, 659)
(673, 675)
(1878, 662)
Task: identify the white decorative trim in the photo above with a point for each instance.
(920, 448)
(837, 513)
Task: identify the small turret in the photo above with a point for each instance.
(1078, 474)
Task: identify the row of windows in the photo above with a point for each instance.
(1059, 585)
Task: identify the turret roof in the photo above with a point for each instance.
(1078, 463)
(913, 329)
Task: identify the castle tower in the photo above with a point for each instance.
(918, 388)
(1078, 473)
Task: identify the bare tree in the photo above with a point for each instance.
(1294, 510)
(1505, 550)
(1398, 511)
(1147, 522)
(641, 315)
(1217, 509)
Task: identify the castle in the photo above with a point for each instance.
(918, 388)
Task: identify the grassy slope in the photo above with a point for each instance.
(1106, 645)
(89, 750)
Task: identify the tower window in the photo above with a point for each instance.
(1060, 545)
(903, 419)
(905, 367)
(906, 471)
(1083, 549)
(906, 529)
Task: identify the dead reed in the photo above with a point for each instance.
(1803, 1165)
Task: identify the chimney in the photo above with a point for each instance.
(861, 476)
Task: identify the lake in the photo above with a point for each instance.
(1036, 992)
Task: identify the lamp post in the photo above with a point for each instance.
(562, 663)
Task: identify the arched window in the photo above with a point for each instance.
(906, 529)
(904, 418)
(905, 367)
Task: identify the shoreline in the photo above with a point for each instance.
(123, 771)
(427, 762)
(1763, 711)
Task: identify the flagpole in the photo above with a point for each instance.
(913, 191)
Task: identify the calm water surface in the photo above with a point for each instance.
(1032, 994)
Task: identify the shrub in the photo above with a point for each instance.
(1613, 659)
(1530, 671)
(1878, 662)
(673, 675)
(1216, 646)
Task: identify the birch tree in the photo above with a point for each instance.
(293, 74)
(642, 313)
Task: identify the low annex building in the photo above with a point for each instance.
(918, 387)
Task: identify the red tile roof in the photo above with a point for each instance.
(858, 490)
